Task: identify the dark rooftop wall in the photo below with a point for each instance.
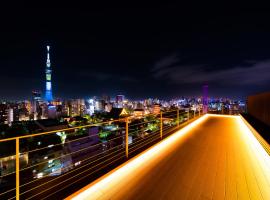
(259, 107)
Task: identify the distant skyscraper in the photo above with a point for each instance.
(48, 93)
(119, 98)
(91, 107)
(10, 117)
(205, 98)
(36, 98)
(119, 101)
(51, 111)
(3, 113)
(156, 108)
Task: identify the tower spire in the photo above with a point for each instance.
(48, 71)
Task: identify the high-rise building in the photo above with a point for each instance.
(44, 110)
(108, 107)
(51, 111)
(36, 98)
(99, 105)
(10, 117)
(119, 101)
(156, 108)
(91, 107)
(75, 107)
(48, 93)
(3, 113)
(119, 98)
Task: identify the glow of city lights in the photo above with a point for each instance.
(40, 175)
(77, 163)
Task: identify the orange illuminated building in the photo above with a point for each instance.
(156, 109)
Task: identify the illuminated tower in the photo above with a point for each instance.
(48, 93)
(205, 98)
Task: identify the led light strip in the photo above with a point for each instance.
(263, 142)
(96, 188)
(259, 152)
(119, 173)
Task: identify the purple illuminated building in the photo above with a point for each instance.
(205, 98)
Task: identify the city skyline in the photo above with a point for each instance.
(170, 52)
(135, 101)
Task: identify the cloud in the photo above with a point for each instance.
(251, 73)
(166, 62)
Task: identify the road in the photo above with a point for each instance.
(215, 157)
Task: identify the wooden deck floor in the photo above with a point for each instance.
(219, 158)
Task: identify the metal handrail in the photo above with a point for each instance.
(138, 144)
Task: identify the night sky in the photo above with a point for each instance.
(159, 50)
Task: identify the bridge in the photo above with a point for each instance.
(172, 155)
(215, 157)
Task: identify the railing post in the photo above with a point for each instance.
(199, 112)
(17, 168)
(126, 137)
(161, 125)
(178, 117)
(188, 115)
